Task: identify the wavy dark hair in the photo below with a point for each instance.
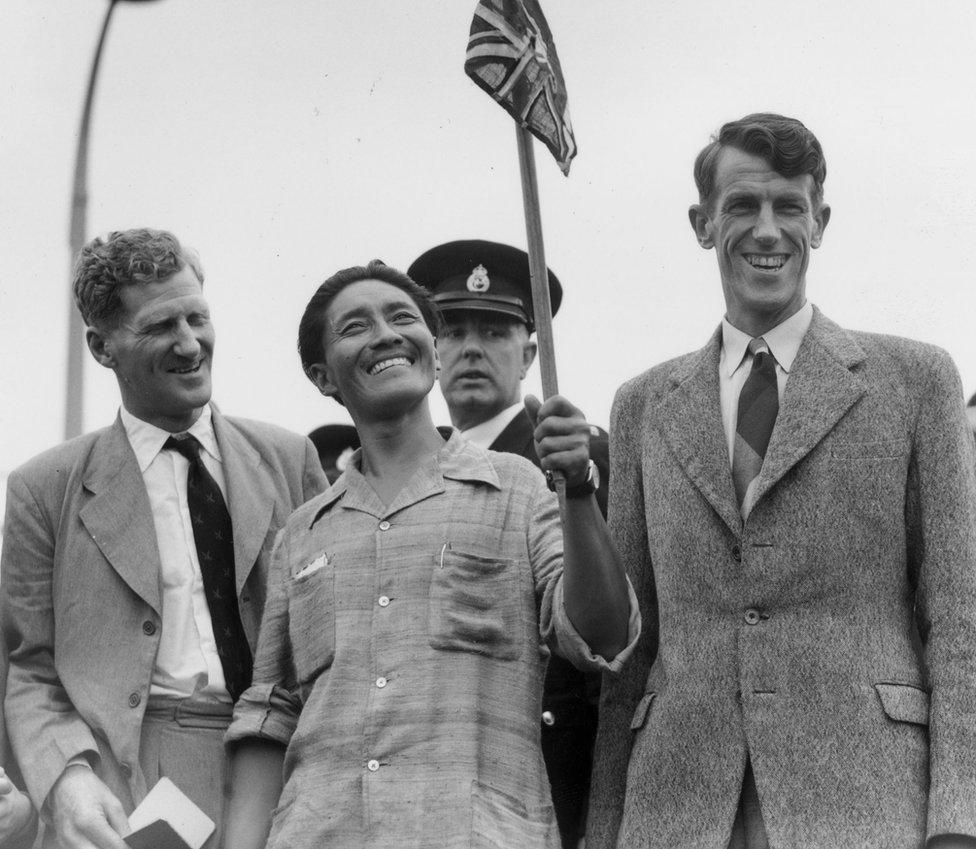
(785, 143)
(125, 258)
(312, 326)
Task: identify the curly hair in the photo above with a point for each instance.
(312, 326)
(125, 258)
(786, 144)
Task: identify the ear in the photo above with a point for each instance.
(701, 224)
(820, 224)
(529, 350)
(100, 346)
(319, 372)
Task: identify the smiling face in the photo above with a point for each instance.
(485, 357)
(763, 226)
(160, 349)
(379, 353)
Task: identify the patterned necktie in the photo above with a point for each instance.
(213, 535)
(758, 406)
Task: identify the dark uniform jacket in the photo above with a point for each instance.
(570, 697)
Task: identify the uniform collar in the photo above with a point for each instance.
(486, 433)
(147, 440)
(783, 340)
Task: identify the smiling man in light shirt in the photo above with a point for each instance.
(134, 558)
(795, 504)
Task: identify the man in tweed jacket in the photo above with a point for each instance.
(807, 672)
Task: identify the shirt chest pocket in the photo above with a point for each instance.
(311, 622)
(475, 605)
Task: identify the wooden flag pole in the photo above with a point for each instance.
(539, 275)
(537, 263)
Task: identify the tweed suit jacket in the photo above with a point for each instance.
(80, 588)
(830, 638)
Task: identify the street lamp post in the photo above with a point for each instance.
(74, 389)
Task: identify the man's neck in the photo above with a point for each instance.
(394, 448)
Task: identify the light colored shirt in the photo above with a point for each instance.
(484, 434)
(735, 362)
(187, 662)
(402, 654)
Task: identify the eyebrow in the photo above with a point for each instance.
(385, 306)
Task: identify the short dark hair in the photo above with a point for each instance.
(125, 258)
(312, 325)
(785, 143)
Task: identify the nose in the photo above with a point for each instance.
(766, 229)
(386, 334)
(187, 344)
(471, 346)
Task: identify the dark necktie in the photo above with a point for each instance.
(213, 535)
(758, 406)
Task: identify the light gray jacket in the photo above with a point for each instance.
(831, 638)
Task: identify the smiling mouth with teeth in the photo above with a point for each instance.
(188, 370)
(766, 262)
(383, 365)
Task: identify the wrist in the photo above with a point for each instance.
(582, 487)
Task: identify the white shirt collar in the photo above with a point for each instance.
(486, 433)
(147, 439)
(783, 340)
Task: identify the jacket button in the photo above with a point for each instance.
(127, 769)
(752, 616)
(548, 718)
(148, 628)
(134, 700)
(736, 552)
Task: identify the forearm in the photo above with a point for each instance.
(255, 785)
(594, 584)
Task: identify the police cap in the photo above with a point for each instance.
(473, 274)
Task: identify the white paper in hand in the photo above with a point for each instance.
(167, 802)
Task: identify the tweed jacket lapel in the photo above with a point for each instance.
(690, 419)
(118, 516)
(821, 388)
(251, 495)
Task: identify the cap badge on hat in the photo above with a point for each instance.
(478, 281)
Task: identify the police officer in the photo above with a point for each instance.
(484, 295)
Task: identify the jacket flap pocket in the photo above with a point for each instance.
(640, 714)
(904, 703)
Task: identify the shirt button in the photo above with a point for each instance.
(373, 765)
(736, 553)
(548, 718)
(384, 525)
(381, 682)
(383, 601)
(134, 699)
(752, 616)
(148, 628)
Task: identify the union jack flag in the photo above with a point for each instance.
(511, 55)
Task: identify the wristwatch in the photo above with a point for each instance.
(589, 484)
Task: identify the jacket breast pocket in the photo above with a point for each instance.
(311, 622)
(475, 605)
(904, 703)
(875, 450)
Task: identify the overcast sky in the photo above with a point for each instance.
(287, 139)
